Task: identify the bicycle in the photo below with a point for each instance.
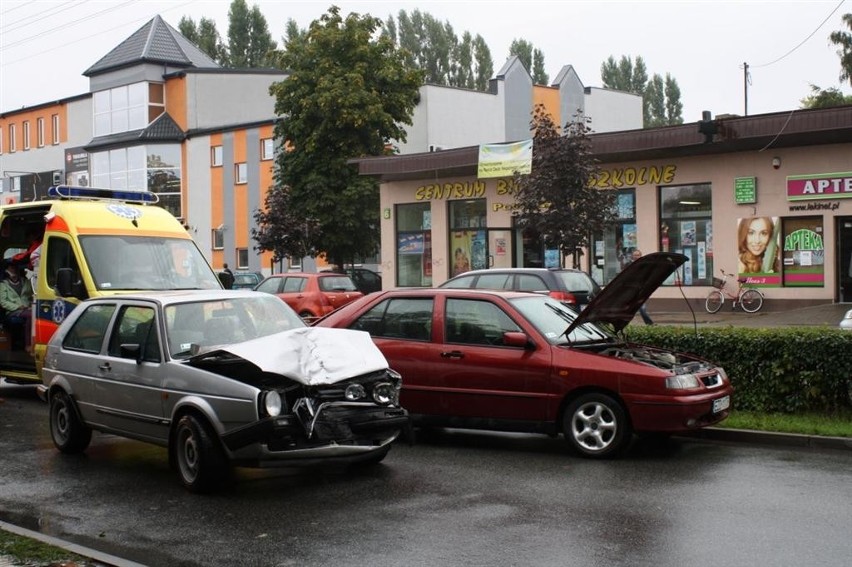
(749, 298)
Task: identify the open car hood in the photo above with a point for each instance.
(309, 355)
(619, 301)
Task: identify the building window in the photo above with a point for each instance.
(267, 149)
(40, 132)
(241, 173)
(216, 156)
(686, 226)
(54, 120)
(15, 185)
(613, 250)
(156, 101)
(13, 142)
(414, 245)
(219, 238)
(121, 109)
(294, 263)
(468, 236)
(26, 135)
(242, 258)
(1, 142)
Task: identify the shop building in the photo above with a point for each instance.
(162, 116)
(767, 197)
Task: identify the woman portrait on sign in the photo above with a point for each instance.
(758, 252)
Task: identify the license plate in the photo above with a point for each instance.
(721, 404)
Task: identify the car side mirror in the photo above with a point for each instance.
(131, 350)
(517, 339)
(66, 282)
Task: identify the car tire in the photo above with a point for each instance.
(197, 457)
(70, 435)
(596, 426)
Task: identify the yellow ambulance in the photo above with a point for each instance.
(84, 242)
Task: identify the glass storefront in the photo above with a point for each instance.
(613, 250)
(686, 227)
(468, 236)
(414, 245)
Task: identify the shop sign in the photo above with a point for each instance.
(745, 190)
(503, 160)
(819, 186)
(633, 176)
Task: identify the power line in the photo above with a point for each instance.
(36, 17)
(803, 41)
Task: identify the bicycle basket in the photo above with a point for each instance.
(718, 283)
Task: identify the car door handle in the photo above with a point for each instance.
(105, 367)
(452, 354)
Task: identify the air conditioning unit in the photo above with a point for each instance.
(437, 148)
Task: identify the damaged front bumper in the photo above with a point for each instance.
(332, 429)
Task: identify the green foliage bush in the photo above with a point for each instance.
(785, 369)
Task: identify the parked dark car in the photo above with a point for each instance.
(219, 378)
(246, 280)
(367, 281)
(575, 287)
(311, 295)
(527, 362)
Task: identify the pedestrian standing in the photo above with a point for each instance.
(226, 276)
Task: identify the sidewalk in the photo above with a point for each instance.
(828, 315)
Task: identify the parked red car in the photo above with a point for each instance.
(311, 295)
(525, 362)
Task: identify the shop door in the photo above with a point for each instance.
(844, 259)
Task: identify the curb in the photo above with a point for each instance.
(772, 438)
(102, 559)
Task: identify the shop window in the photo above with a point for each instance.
(686, 226)
(613, 250)
(468, 236)
(414, 245)
(803, 252)
(216, 156)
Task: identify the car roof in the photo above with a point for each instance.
(178, 296)
(518, 271)
(306, 274)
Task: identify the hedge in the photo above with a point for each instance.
(784, 369)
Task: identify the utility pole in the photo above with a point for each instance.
(745, 85)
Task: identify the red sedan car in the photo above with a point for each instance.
(517, 361)
(311, 295)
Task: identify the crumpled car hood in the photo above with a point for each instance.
(310, 355)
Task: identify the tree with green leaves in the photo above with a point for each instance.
(661, 105)
(820, 98)
(348, 95)
(283, 230)
(249, 42)
(435, 48)
(205, 36)
(532, 59)
(556, 199)
(843, 39)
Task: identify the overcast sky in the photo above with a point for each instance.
(45, 45)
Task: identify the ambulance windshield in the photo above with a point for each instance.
(120, 262)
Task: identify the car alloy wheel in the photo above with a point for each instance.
(596, 426)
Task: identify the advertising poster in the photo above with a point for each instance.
(687, 233)
(469, 251)
(804, 252)
(758, 250)
(411, 243)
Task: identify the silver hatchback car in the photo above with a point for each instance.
(220, 378)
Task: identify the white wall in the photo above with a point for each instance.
(613, 111)
(222, 99)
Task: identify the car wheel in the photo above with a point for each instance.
(69, 434)
(200, 461)
(596, 426)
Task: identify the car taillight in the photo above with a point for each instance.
(563, 296)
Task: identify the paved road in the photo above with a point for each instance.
(454, 498)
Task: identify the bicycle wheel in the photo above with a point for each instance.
(714, 301)
(751, 300)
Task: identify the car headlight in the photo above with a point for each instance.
(385, 393)
(272, 403)
(355, 392)
(682, 382)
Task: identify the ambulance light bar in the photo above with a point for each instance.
(74, 192)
